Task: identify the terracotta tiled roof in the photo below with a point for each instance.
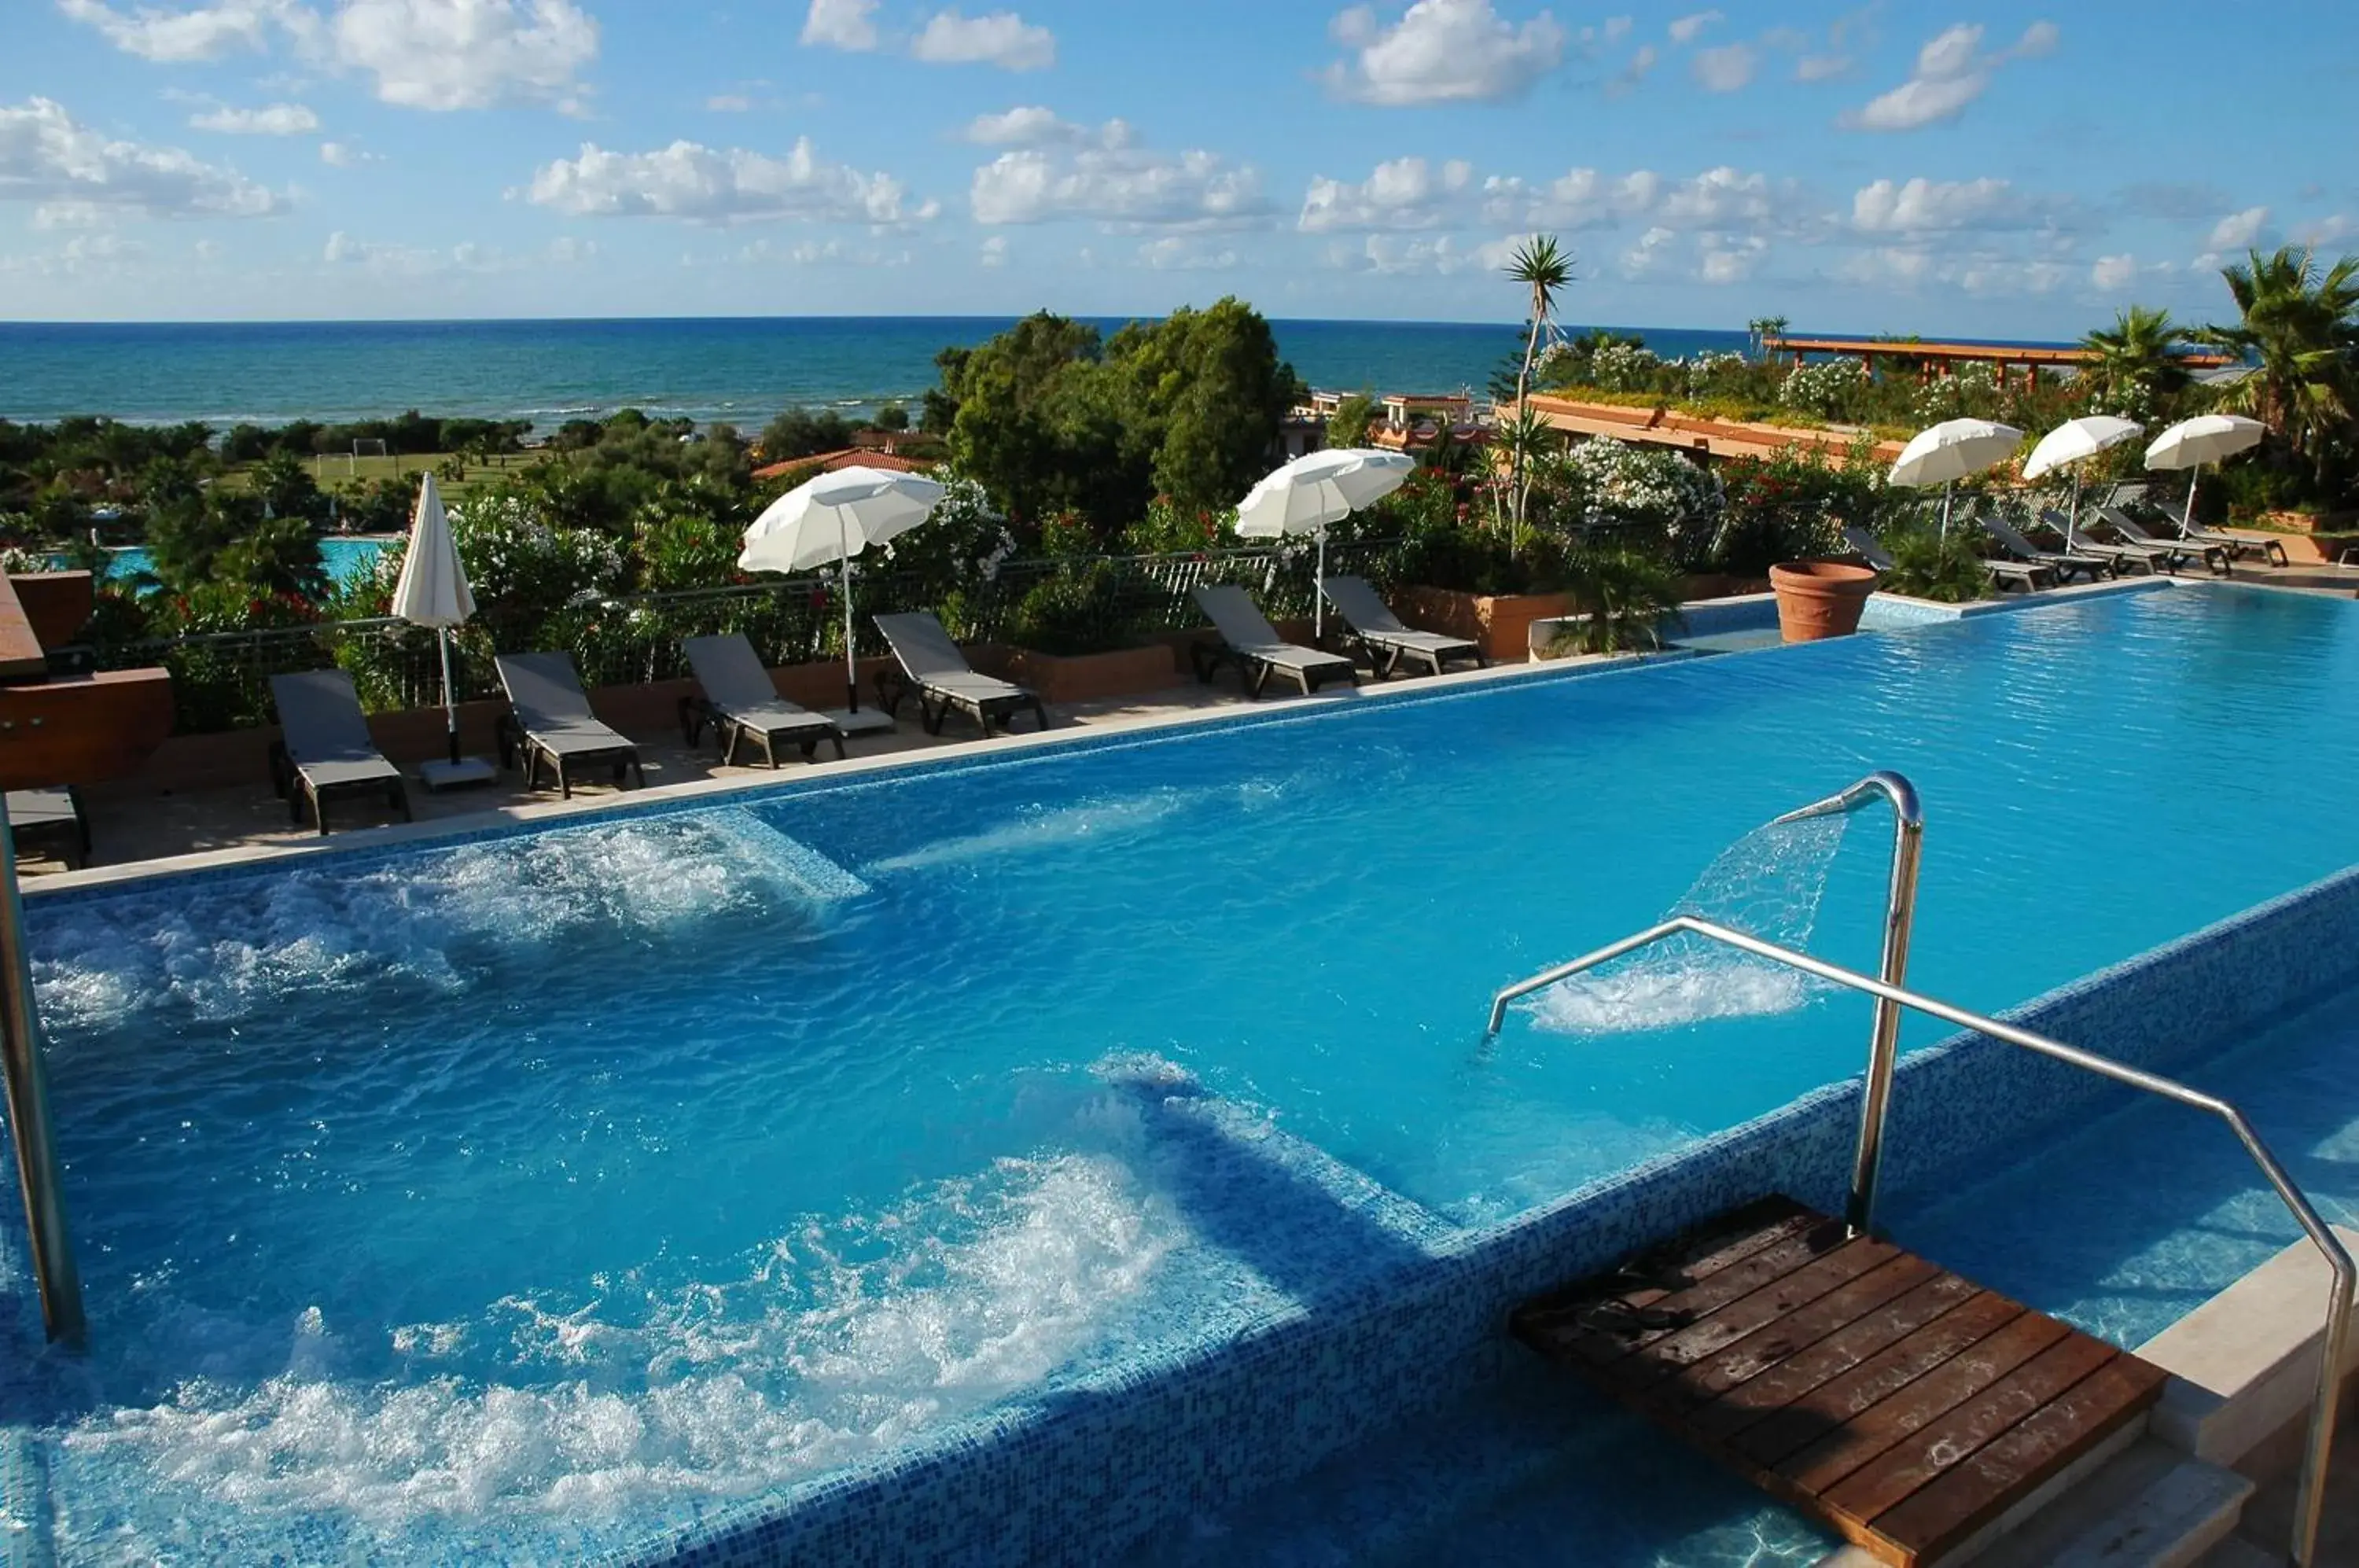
(849, 457)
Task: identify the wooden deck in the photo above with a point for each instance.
(1897, 1403)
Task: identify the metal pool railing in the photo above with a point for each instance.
(2319, 1449)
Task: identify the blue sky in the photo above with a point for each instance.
(1986, 167)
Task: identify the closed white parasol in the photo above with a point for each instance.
(832, 519)
(1951, 451)
(432, 592)
(2206, 438)
(1313, 493)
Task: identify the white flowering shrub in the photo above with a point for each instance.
(1973, 389)
(515, 558)
(1623, 367)
(1708, 368)
(1824, 388)
(1602, 482)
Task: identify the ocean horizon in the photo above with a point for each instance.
(738, 370)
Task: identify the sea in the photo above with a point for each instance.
(711, 370)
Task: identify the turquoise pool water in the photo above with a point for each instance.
(524, 1196)
(2143, 1211)
(346, 559)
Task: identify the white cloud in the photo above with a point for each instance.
(1932, 206)
(205, 33)
(71, 215)
(271, 120)
(1627, 78)
(1406, 193)
(1398, 255)
(1179, 253)
(2114, 272)
(1726, 69)
(100, 254)
(1910, 267)
(841, 24)
(728, 104)
(1821, 67)
(391, 260)
(1645, 258)
(425, 54)
(1686, 29)
(1951, 72)
(699, 184)
(2329, 230)
(993, 252)
(1002, 38)
(1441, 52)
(1036, 127)
(1731, 259)
(345, 154)
(1123, 185)
(1722, 198)
(2237, 231)
(46, 156)
(467, 54)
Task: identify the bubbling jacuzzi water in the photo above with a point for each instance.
(521, 1198)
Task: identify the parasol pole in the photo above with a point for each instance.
(851, 661)
(450, 695)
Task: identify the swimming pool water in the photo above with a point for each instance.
(344, 559)
(2142, 1211)
(529, 1194)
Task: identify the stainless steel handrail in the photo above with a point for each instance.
(1899, 922)
(2311, 1501)
(29, 1127)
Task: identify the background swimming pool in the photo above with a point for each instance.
(344, 559)
(529, 1193)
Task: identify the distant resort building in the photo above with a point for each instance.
(1402, 421)
(870, 449)
(1932, 361)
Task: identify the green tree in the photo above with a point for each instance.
(892, 417)
(1348, 425)
(2138, 364)
(801, 432)
(2299, 326)
(277, 556)
(287, 489)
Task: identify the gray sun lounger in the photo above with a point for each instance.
(51, 821)
(2062, 564)
(1380, 634)
(2216, 556)
(2123, 556)
(324, 748)
(2031, 575)
(938, 675)
(550, 720)
(1253, 645)
(740, 701)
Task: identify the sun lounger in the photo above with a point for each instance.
(2029, 576)
(2122, 552)
(550, 720)
(938, 675)
(324, 748)
(2214, 555)
(1253, 645)
(741, 702)
(49, 821)
(2271, 550)
(2064, 564)
(1380, 634)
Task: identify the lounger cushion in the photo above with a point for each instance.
(551, 707)
(739, 689)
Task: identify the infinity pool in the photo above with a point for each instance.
(530, 1195)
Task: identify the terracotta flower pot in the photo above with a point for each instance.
(1819, 598)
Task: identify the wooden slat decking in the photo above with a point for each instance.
(1898, 1404)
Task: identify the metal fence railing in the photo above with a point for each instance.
(220, 679)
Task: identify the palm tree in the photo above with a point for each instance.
(1761, 329)
(2137, 362)
(1545, 268)
(2299, 326)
